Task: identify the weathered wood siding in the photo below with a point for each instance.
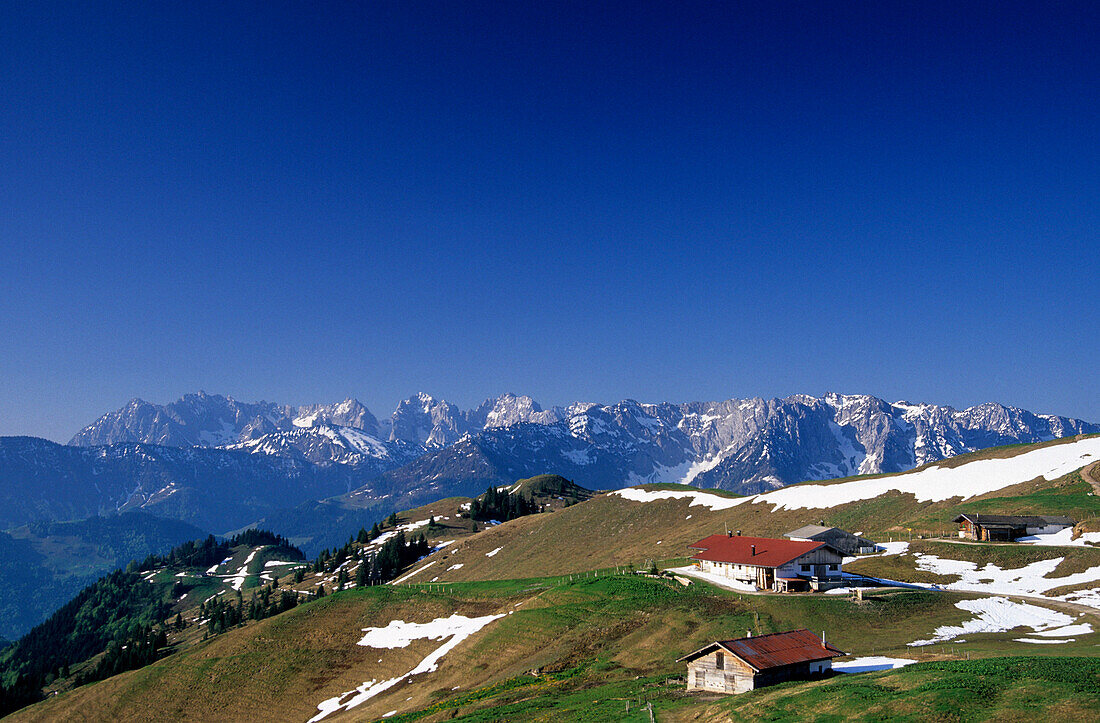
(735, 677)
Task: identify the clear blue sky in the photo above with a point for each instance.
(301, 202)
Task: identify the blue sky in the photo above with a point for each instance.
(660, 201)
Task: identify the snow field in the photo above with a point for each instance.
(932, 484)
(399, 634)
(1031, 579)
(236, 580)
(1063, 538)
(998, 615)
(870, 663)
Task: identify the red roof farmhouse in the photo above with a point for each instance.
(771, 564)
(741, 665)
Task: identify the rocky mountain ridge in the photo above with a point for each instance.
(744, 445)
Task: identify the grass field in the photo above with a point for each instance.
(609, 639)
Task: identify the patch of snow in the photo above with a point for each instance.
(870, 663)
(399, 634)
(490, 554)
(1041, 642)
(1081, 629)
(578, 456)
(697, 497)
(997, 615)
(414, 572)
(938, 483)
(236, 580)
(1063, 538)
(1031, 579)
(456, 566)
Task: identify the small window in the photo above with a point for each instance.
(832, 567)
(805, 568)
(719, 661)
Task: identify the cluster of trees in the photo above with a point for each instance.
(22, 691)
(139, 649)
(128, 618)
(395, 554)
(221, 614)
(110, 609)
(267, 603)
(123, 616)
(501, 505)
(208, 552)
(374, 568)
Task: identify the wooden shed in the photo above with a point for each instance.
(744, 664)
(1009, 527)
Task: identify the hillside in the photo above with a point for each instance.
(657, 522)
(125, 619)
(569, 650)
(513, 621)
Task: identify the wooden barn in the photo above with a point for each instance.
(744, 664)
(1006, 528)
(769, 563)
(840, 539)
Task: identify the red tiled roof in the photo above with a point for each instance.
(775, 650)
(739, 550)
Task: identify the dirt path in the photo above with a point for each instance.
(1091, 475)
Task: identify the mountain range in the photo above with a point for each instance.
(742, 445)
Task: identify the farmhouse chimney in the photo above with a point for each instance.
(748, 633)
(729, 534)
(753, 551)
(739, 533)
(823, 640)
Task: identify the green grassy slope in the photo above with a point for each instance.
(569, 650)
(608, 530)
(599, 643)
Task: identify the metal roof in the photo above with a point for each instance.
(759, 551)
(1015, 520)
(773, 651)
(808, 531)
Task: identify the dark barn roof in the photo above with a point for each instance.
(769, 552)
(1014, 520)
(773, 651)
